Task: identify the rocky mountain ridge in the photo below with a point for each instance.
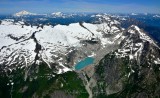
(124, 58)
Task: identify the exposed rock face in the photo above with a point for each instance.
(60, 94)
(29, 45)
(127, 61)
(132, 70)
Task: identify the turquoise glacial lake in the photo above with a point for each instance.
(83, 63)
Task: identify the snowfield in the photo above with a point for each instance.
(21, 44)
(18, 41)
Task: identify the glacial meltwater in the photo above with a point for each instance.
(83, 63)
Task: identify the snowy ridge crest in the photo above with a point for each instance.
(136, 45)
(27, 45)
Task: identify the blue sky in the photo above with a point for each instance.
(109, 6)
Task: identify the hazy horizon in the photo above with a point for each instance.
(77, 6)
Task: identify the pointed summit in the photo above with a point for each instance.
(23, 13)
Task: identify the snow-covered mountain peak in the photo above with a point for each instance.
(156, 16)
(119, 54)
(57, 14)
(26, 45)
(136, 43)
(135, 30)
(23, 13)
(61, 15)
(134, 14)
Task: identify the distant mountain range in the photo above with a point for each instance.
(53, 15)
